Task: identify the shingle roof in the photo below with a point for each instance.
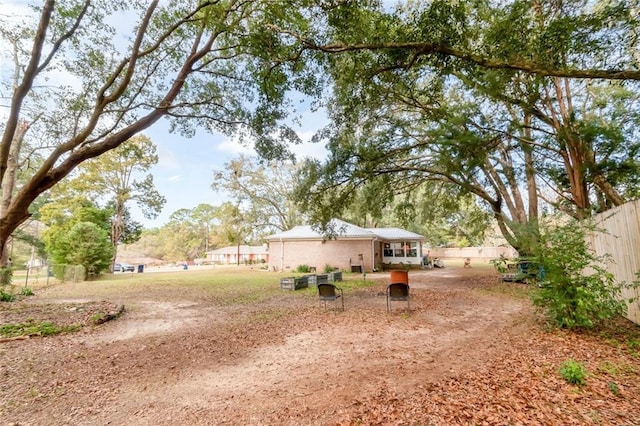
(343, 229)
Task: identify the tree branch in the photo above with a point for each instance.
(427, 49)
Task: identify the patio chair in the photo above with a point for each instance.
(397, 292)
(329, 292)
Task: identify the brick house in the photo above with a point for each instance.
(238, 254)
(353, 249)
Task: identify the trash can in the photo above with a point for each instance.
(398, 276)
(140, 268)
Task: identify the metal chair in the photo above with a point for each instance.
(397, 292)
(329, 292)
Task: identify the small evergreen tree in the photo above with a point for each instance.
(85, 244)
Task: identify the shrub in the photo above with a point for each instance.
(26, 291)
(573, 372)
(303, 268)
(328, 268)
(578, 291)
(6, 274)
(500, 264)
(6, 297)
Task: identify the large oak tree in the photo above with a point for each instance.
(80, 87)
(513, 102)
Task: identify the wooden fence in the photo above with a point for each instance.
(481, 253)
(620, 240)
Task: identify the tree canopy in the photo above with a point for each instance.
(510, 101)
(522, 104)
(77, 233)
(79, 88)
(117, 177)
(265, 192)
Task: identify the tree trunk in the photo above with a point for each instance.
(530, 171)
(608, 190)
(572, 148)
(116, 229)
(8, 188)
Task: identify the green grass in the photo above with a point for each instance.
(237, 283)
(512, 290)
(226, 286)
(6, 296)
(32, 328)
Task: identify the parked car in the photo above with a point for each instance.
(124, 267)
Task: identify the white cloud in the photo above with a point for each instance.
(174, 178)
(167, 159)
(307, 149)
(233, 146)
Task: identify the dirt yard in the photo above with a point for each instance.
(467, 352)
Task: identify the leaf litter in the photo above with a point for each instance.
(467, 353)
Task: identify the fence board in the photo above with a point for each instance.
(485, 253)
(619, 239)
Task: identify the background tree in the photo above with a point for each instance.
(85, 244)
(27, 248)
(150, 244)
(188, 235)
(64, 211)
(65, 247)
(235, 227)
(182, 237)
(443, 215)
(115, 177)
(205, 217)
(264, 190)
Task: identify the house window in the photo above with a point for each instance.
(411, 249)
(401, 249)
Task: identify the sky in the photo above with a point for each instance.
(184, 172)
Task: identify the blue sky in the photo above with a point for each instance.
(184, 172)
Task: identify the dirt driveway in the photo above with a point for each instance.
(289, 361)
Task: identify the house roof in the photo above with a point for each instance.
(396, 234)
(344, 229)
(244, 249)
(339, 227)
